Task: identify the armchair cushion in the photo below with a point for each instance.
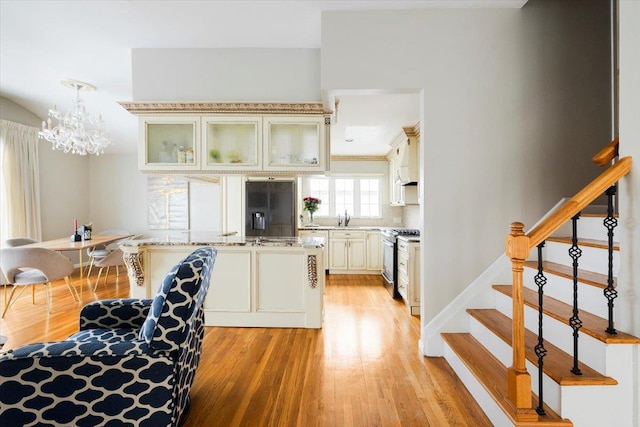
(73, 383)
(173, 308)
(115, 313)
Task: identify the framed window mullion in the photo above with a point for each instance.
(326, 189)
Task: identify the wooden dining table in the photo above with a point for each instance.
(65, 244)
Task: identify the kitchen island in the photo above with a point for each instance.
(256, 282)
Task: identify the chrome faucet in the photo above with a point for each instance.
(347, 218)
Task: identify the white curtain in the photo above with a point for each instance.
(19, 182)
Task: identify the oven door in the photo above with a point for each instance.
(388, 254)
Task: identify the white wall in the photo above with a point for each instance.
(118, 197)
(629, 277)
(288, 75)
(64, 180)
(515, 103)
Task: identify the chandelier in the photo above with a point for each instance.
(70, 133)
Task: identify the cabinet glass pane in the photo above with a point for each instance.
(170, 143)
(232, 143)
(293, 144)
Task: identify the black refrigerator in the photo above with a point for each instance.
(270, 208)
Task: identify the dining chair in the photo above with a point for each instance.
(23, 267)
(14, 243)
(19, 241)
(115, 258)
(101, 251)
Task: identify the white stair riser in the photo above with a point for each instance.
(623, 362)
(486, 402)
(606, 404)
(503, 352)
(591, 259)
(592, 228)
(590, 351)
(590, 298)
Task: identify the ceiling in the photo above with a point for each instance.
(44, 42)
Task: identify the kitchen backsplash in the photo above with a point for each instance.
(411, 217)
(388, 214)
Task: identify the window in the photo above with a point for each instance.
(370, 197)
(319, 188)
(344, 195)
(360, 196)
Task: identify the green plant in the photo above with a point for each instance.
(214, 155)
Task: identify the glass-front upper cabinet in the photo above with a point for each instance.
(231, 143)
(294, 143)
(169, 143)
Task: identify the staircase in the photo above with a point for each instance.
(481, 356)
(595, 385)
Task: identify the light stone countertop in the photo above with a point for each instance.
(335, 227)
(206, 238)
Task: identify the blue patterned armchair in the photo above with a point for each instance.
(131, 364)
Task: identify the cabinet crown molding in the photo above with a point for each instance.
(225, 108)
(401, 137)
(412, 131)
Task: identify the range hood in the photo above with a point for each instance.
(409, 171)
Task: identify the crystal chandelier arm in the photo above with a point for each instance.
(70, 134)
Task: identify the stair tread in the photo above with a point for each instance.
(593, 243)
(557, 363)
(493, 376)
(598, 215)
(592, 325)
(584, 276)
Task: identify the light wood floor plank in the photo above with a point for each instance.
(362, 369)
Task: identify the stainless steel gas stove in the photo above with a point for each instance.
(390, 256)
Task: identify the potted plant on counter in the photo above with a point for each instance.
(311, 206)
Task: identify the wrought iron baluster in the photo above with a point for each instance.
(541, 352)
(575, 252)
(610, 222)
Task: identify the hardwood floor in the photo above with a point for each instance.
(362, 369)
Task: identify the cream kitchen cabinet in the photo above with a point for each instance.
(400, 194)
(169, 143)
(347, 252)
(409, 273)
(319, 233)
(374, 251)
(231, 143)
(404, 169)
(396, 196)
(273, 138)
(294, 143)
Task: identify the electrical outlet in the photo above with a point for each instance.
(397, 220)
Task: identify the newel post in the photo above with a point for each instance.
(518, 379)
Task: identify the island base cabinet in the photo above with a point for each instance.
(278, 282)
(250, 286)
(230, 290)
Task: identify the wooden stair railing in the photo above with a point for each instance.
(607, 154)
(518, 246)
